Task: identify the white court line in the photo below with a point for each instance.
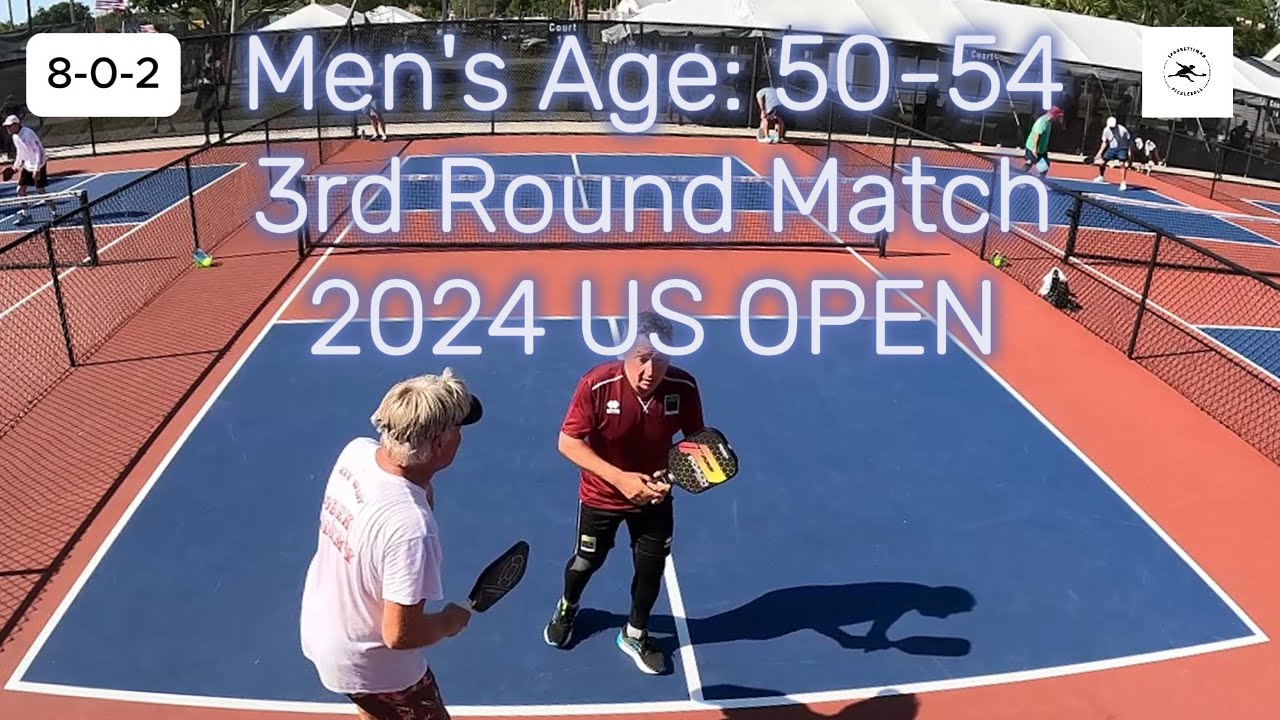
(548, 318)
(1241, 327)
(1237, 353)
(48, 284)
(18, 685)
(692, 678)
(1262, 205)
(674, 706)
(582, 186)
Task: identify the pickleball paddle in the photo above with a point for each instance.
(702, 461)
(503, 574)
(8, 173)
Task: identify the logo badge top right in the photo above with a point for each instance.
(1187, 72)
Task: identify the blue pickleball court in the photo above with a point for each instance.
(914, 493)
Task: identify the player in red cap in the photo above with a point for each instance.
(619, 427)
(1037, 146)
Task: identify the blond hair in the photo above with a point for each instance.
(417, 411)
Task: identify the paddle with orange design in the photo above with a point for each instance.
(702, 461)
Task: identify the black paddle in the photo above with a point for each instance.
(700, 462)
(503, 574)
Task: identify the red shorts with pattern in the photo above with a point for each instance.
(421, 701)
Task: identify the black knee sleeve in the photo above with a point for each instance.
(582, 565)
(650, 557)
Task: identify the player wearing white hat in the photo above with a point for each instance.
(30, 162)
(1115, 145)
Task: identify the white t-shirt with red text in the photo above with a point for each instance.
(378, 541)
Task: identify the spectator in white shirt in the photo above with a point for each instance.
(363, 622)
(30, 162)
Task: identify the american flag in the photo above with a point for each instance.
(109, 5)
(133, 26)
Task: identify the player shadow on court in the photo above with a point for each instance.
(888, 706)
(827, 609)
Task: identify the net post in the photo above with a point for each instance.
(893, 155)
(91, 242)
(266, 130)
(986, 226)
(831, 126)
(57, 295)
(304, 228)
(191, 204)
(1217, 171)
(493, 49)
(1146, 293)
(1073, 229)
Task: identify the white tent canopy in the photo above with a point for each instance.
(391, 14)
(314, 15)
(1098, 42)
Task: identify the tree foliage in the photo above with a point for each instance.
(215, 13)
(1254, 21)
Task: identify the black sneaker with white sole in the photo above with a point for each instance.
(642, 651)
(560, 629)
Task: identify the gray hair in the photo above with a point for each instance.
(649, 323)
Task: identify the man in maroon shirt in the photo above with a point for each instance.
(619, 427)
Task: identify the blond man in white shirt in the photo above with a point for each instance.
(30, 162)
(363, 621)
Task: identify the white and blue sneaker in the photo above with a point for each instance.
(641, 650)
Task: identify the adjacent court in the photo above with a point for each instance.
(1140, 204)
(873, 498)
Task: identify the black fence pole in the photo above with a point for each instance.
(57, 296)
(1146, 293)
(893, 155)
(991, 197)
(831, 127)
(266, 130)
(191, 204)
(90, 241)
(93, 139)
(319, 136)
(493, 48)
(1073, 214)
(303, 229)
(1217, 171)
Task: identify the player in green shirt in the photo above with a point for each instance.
(1037, 146)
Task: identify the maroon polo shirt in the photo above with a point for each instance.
(628, 433)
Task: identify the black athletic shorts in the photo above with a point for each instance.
(422, 701)
(38, 179)
(652, 526)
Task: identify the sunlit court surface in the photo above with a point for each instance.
(957, 500)
(1011, 515)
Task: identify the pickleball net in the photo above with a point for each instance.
(73, 237)
(473, 211)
